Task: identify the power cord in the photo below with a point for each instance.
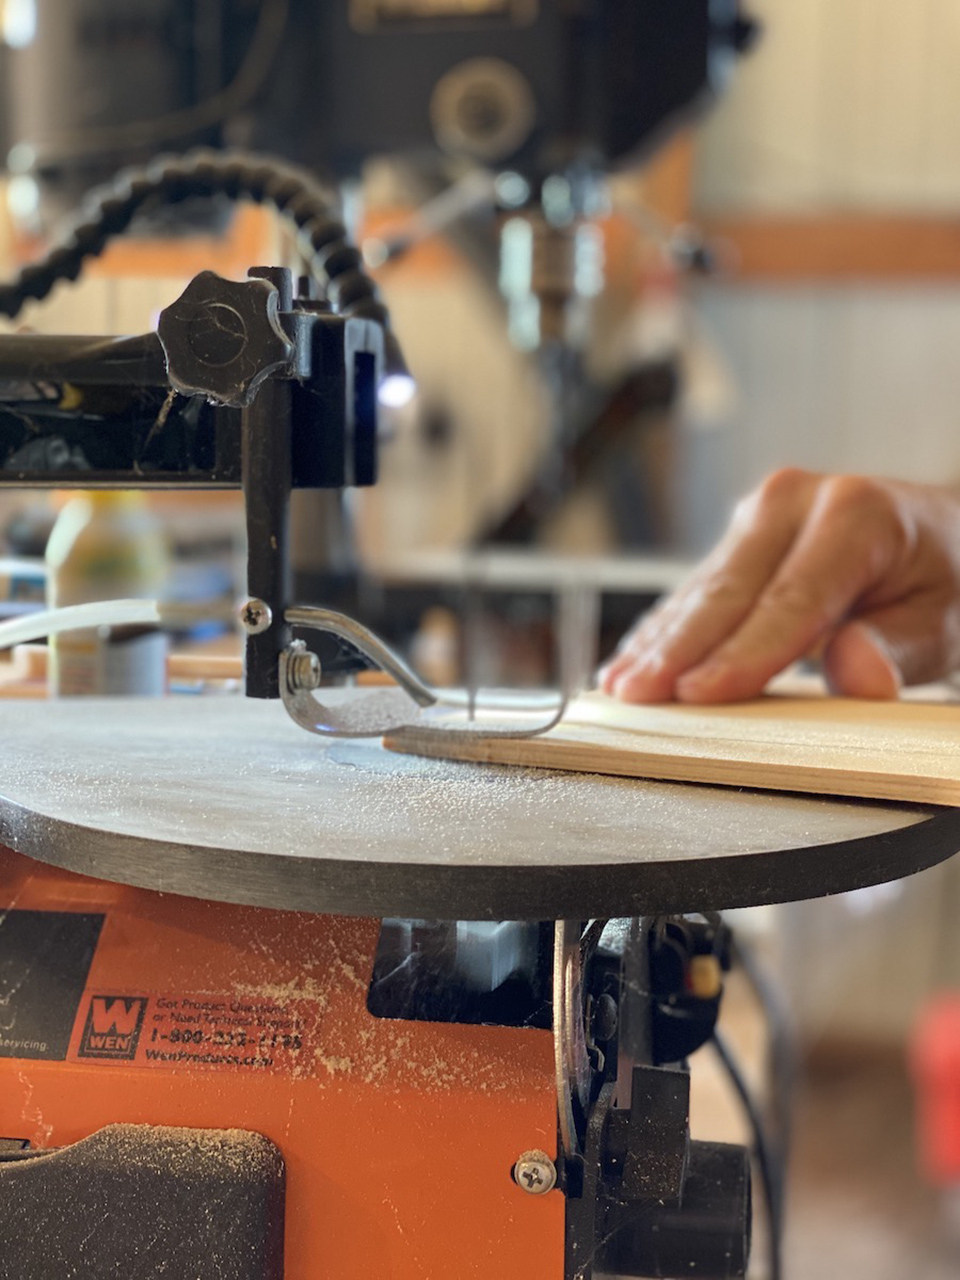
(781, 1070)
(763, 1152)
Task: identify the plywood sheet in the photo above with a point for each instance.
(903, 751)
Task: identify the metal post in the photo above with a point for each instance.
(266, 430)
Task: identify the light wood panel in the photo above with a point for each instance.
(826, 746)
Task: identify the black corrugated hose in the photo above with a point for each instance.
(294, 193)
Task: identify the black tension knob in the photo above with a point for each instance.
(221, 338)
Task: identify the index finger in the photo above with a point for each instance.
(719, 596)
(845, 547)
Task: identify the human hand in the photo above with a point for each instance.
(869, 569)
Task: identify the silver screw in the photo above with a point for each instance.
(535, 1173)
(256, 616)
(303, 671)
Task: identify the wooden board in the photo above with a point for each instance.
(905, 751)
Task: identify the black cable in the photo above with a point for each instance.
(238, 175)
(762, 1152)
(782, 1059)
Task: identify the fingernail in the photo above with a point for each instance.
(700, 680)
(642, 670)
(882, 645)
(639, 681)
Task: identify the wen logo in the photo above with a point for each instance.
(112, 1028)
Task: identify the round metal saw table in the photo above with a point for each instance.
(227, 799)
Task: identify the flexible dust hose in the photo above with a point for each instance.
(292, 192)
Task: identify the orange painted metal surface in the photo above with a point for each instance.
(399, 1137)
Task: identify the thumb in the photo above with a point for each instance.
(876, 654)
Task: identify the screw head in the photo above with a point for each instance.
(535, 1173)
(256, 616)
(604, 1018)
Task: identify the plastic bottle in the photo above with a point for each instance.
(106, 545)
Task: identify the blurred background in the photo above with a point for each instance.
(777, 284)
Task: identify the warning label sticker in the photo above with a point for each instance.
(45, 959)
(193, 1031)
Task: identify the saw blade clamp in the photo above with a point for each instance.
(410, 704)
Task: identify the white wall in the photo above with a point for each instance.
(860, 379)
(843, 104)
(847, 105)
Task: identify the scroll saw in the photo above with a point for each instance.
(281, 1008)
(273, 1007)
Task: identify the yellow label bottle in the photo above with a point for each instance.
(106, 545)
